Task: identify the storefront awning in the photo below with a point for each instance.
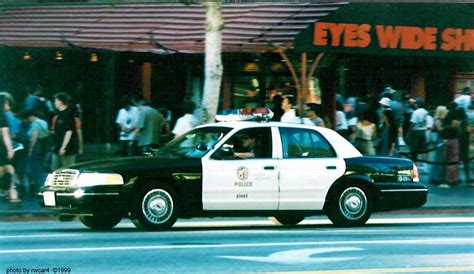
(157, 28)
(401, 29)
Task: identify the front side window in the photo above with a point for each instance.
(250, 143)
(195, 143)
(305, 143)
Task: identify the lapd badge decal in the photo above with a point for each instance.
(242, 173)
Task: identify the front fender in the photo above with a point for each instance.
(354, 179)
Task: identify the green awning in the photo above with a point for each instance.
(402, 29)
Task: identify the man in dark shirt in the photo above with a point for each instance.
(65, 135)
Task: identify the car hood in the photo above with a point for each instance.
(135, 164)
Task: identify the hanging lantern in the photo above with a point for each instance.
(59, 56)
(94, 58)
(27, 56)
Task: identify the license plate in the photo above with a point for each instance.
(49, 198)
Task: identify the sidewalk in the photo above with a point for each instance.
(455, 199)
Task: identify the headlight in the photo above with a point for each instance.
(95, 179)
(49, 180)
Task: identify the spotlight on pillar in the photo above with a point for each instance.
(59, 56)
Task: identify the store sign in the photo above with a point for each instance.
(346, 35)
(393, 29)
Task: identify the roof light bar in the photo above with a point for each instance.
(244, 114)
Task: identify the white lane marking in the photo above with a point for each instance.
(39, 236)
(429, 241)
(300, 256)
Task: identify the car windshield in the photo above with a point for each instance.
(195, 143)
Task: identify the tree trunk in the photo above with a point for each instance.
(213, 62)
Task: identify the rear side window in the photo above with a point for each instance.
(305, 143)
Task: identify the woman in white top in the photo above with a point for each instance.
(366, 133)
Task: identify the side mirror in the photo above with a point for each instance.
(223, 153)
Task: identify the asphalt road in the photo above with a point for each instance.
(407, 244)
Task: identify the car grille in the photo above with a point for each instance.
(65, 178)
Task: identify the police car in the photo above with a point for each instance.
(237, 168)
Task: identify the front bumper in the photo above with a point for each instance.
(85, 202)
(394, 196)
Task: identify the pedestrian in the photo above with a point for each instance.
(76, 110)
(366, 133)
(187, 121)
(166, 134)
(39, 146)
(276, 108)
(451, 132)
(66, 143)
(127, 121)
(408, 108)
(388, 133)
(289, 115)
(464, 103)
(7, 171)
(437, 172)
(313, 113)
(37, 102)
(341, 121)
(148, 128)
(416, 137)
(463, 99)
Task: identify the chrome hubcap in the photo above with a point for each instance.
(157, 206)
(353, 203)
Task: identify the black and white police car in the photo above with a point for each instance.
(286, 171)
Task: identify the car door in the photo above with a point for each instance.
(231, 183)
(308, 168)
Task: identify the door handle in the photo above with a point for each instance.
(269, 167)
(330, 167)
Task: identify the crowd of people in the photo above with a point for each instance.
(438, 139)
(44, 135)
(39, 137)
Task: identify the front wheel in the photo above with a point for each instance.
(349, 206)
(155, 209)
(101, 221)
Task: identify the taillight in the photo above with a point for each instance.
(414, 174)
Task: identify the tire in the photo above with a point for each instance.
(100, 221)
(286, 219)
(154, 209)
(349, 205)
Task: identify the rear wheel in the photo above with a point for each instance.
(287, 219)
(100, 221)
(155, 209)
(349, 205)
